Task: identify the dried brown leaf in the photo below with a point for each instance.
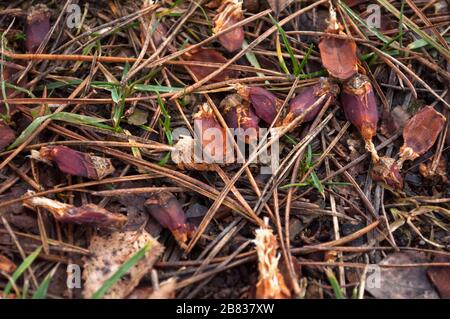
(112, 251)
(402, 283)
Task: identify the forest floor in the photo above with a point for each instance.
(340, 191)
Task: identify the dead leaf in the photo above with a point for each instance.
(6, 265)
(440, 277)
(109, 253)
(393, 121)
(7, 135)
(138, 117)
(439, 175)
(402, 283)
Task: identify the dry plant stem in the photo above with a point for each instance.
(400, 74)
(150, 145)
(311, 263)
(298, 251)
(290, 160)
(360, 192)
(386, 221)
(440, 148)
(111, 59)
(42, 46)
(40, 219)
(25, 177)
(129, 18)
(355, 162)
(414, 75)
(65, 247)
(20, 249)
(167, 40)
(213, 253)
(146, 23)
(333, 204)
(178, 177)
(298, 151)
(137, 190)
(75, 187)
(221, 267)
(327, 151)
(427, 22)
(40, 128)
(250, 47)
(149, 64)
(8, 183)
(226, 265)
(288, 200)
(222, 174)
(284, 248)
(252, 157)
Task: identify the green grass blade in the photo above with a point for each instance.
(317, 184)
(61, 116)
(389, 7)
(20, 89)
(357, 18)
(120, 272)
(251, 57)
(41, 291)
(420, 43)
(115, 95)
(156, 88)
(111, 86)
(79, 119)
(400, 23)
(166, 121)
(3, 82)
(305, 59)
(294, 185)
(166, 128)
(28, 131)
(164, 160)
(290, 139)
(4, 97)
(312, 75)
(334, 284)
(281, 31)
(281, 58)
(126, 68)
(309, 154)
(21, 269)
